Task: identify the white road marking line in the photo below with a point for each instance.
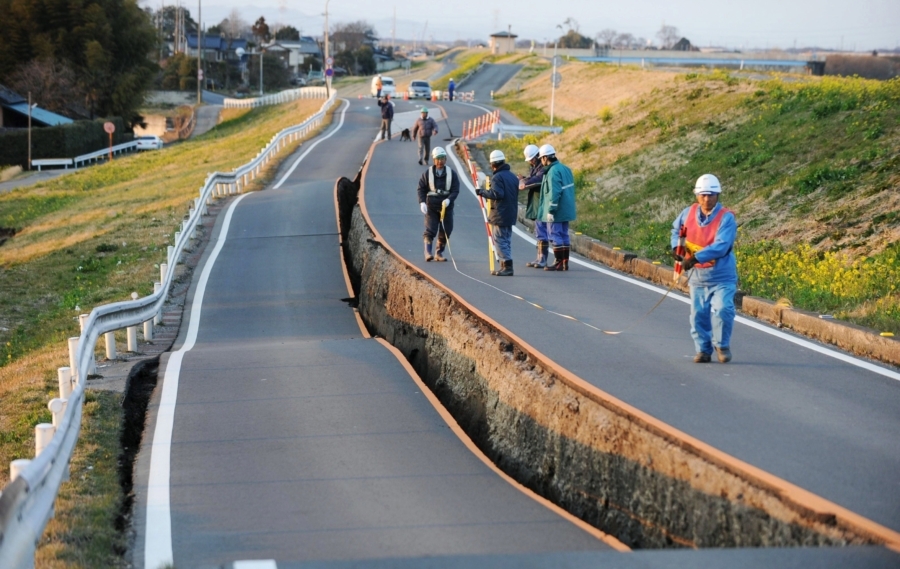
(868, 366)
(158, 539)
(313, 145)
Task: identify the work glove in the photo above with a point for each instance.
(521, 183)
(676, 255)
(446, 203)
(423, 207)
(478, 191)
(550, 217)
(689, 263)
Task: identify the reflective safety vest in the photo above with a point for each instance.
(698, 237)
(440, 192)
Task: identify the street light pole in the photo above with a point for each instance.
(327, 78)
(29, 130)
(260, 71)
(553, 77)
(199, 51)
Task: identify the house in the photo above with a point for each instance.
(503, 42)
(14, 112)
(216, 47)
(295, 53)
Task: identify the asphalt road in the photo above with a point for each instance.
(821, 423)
(294, 437)
(491, 77)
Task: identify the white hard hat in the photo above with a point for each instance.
(531, 151)
(451, 78)
(438, 152)
(707, 184)
(497, 156)
(546, 150)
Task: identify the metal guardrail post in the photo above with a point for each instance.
(110, 338)
(43, 434)
(157, 318)
(73, 363)
(64, 377)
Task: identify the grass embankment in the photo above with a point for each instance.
(466, 62)
(811, 167)
(82, 240)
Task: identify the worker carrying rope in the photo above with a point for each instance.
(438, 188)
(708, 231)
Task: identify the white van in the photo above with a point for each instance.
(387, 86)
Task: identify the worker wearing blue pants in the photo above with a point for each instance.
(709, 240)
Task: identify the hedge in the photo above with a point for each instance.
(65, 141)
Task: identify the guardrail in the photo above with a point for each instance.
(26, 502)
(101, 154)
(500, 129)
(277, 98)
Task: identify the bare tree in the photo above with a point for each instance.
(667, 35)
(624, 41)
(572, 25)
(52, 83)
(352, 36)
(234, 25)
(605, 38)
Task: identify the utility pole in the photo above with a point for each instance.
(199, 53)
(29, 130)
(327, 78)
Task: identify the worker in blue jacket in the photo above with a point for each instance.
(504, 194)
(709, 230)
(557, 205)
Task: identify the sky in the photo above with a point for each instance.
(858, 25)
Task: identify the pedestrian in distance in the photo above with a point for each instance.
(504, 195)
(422, 132)
(532, 184)
(387, 116)
(557, 207)
(438, 188)
(709, 231)
(378, 86)
(451, 86)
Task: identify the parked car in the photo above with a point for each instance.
(387, 86)
(149, 142)
(419, 90)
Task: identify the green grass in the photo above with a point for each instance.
(466, 62)
(808, 161)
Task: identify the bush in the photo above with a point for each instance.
(66, 141)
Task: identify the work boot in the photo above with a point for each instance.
(420, 161)
(701, 358)
(724, 355)
(559, 255)
(566, 259)
(428, 255)
(437, 254)
(506, 271)
(543, 249)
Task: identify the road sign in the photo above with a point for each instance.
(329, 72)
(557, 61)
(329, 61)
(556, 79)
(200, 75)
(109, 127)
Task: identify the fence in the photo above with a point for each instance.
(481, 125)
(277, 98)
(26, 503)
(94, 156)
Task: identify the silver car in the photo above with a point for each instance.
(419, 90)
(149, 142)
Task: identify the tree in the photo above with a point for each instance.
(104, 42)
(624, 41)
(289, 33)
(352, 36)
(606, 37)
(573, 40)
(261, 30)
(275, 74)
(667, 35)
(52, 84)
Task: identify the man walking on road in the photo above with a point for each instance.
(438, 188)
(532, 184)
(422, 132)
(451, 86)
(557, 205)
(504, 192)
(709, 230)
(387, 115)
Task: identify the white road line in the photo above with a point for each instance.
(313, 145)
(868, 366)
(158, 540)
